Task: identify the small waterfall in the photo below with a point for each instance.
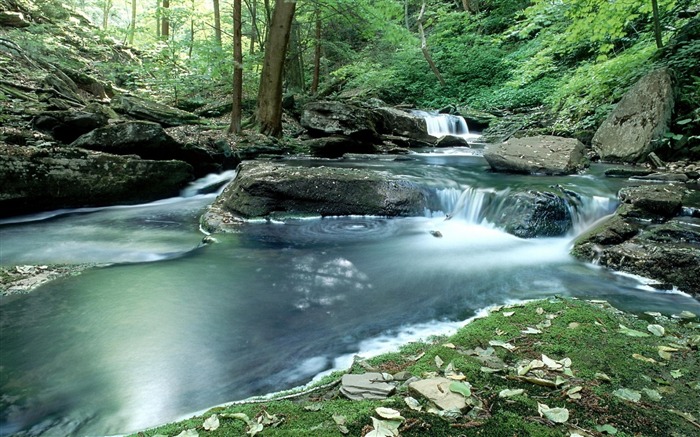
(210, 183)
(444, 124)
(466, 205)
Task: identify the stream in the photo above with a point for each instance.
(168, 326)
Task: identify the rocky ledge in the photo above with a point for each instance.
(541, 154)
(649, 235)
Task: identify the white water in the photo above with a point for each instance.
(445, 124)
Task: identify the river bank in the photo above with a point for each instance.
(552, 367)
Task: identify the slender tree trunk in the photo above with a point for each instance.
(217, 22)
(158, 19)
(471, 6)
(269, 111)
(317, 53)
(253, 25)
(105, 14)
(295, 61)
(132, 30)
(405, 14)
(165, 21)
(236, 110)
(657, 24)
(424, 46)
(191, 45)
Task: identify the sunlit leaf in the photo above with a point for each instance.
(665, 355)
(687, 315)
(530, 330)
(463, 388)
(544, 324)
(559, 381)
(550, 363)
(657, 330)
(602, 377)
(449, 345)
(212, 423)
(388, 413)
(631, 332)
(490, 370)
(654, 395)
(438, 361)
(510, 392)
(574, 325)
(557, 415)
(316, 406)
(607, 429)
(668, 349)
(643, 358)
(628, 394)
(412, 403)
(502, 344)
(676, 373)
(539, 310)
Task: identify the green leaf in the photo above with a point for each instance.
(608, 429)
(631, 332)
(684, 121)
(556, 415)
(463, 388)
(507, 393)
(652, 394)
(676, 374)
(628, 394)
(657, 330)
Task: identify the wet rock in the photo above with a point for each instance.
(530, 214)
(371, 385)
(451, 141)
(437, 391)
(327, 118)
(67, 126)
(662, 177)
(537, 155)
(626, 172)
(335, 147)
(39, 179)
(145, 139)
(664, 200)
(641, 117)
(264, 188)
(396, 122)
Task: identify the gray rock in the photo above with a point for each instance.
(36, 179)
(451, 141)
(67, 126)
(335, 147)
(396, 122)
(664, 200)
(529, 214)
(143, 138)
(662, 177)
(537, 155)
(264, 188)
(641, 117)
(335, 118)
(142, 109)
(626, 172)
(437, 391)
(371, 385)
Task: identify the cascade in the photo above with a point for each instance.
(444, 124)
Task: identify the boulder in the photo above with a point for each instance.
(67, 126)
(335, 147)
(371, 385)
(142, 109)
(327, 118)
(262, 189)
(663, 200)
(12, 19)
(641, 117)
(542, 154)
(39, 179)
(451, 141)
(437, 390)
(529, 214)
(399, 123)
(146, 139)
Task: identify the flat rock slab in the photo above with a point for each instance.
(370, 385)
(437, 390)
(541, 154)
(665, 200)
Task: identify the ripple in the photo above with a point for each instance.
(347, 228)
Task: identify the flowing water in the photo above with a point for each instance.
(170, 326)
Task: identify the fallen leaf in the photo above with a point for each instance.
(490, 370)
(556, 415)
(508, 313)
(608, 429)
(530, 330)
(540, 311)
(676, 373)
(316, 406)
(412, 403)
(559, 381)
(255, 428)
(502, 344)
(449, 345)
(574, 390)
(438, 361)
(544, 324)
(463, 388)
(668, 349)
(657, 330)
(687, 315)
(188, 433)
(665, 355)
(510, 392)
(602, 377)
(654, 395)
(340, 421)
(212, 423)
(574, 325)
(631, 332)
(628, 394)
(643, 358)
(388, 413)
(550, 363)
(500, 332)
(384, 428)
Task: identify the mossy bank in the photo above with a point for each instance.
(555, 367)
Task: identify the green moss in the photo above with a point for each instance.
(588, 333)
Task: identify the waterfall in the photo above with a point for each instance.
(445, 124)
(211, 183)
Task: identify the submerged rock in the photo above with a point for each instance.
(639, 119)
(36, 179)
(529, 214)
(542, 154)
(264, 188)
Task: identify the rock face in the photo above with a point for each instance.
(538, 155)
(530, 214)
(437, 390)
(644, 237)
(640, 118)
(451, 141)
(264, 188)
(36, 179)
(67, 126)
(146, 139)
(396, 122)
(334, 118)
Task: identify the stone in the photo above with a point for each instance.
(371, 385)
(12, 19)
(437, 391)
(664, 200)
(529, 214)
(67, 126)
(641, 117)
(626, 172)
(335, 146)
(451, 141)
(148, 110)
(264, 188)
(662, 177)
(543, 154)
(400, 123)
(326, 118)
(40, 179)
(146, 139)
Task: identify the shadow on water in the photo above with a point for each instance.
(136, 344)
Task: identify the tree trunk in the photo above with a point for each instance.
(253, 25)
(105, 14)
(217, 22)
(657, 24)
(317, 53)
(269, 111)
(165, 21)
(158, 21)
(236, 110)
(471, 6)
(132, 30)
(405, 14)
(191, 45)
(295, 61)
(424, 47)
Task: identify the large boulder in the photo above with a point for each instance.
(335, 147)
(641, 117)
(67, 126)
(142, 109)
(664, 200)
(143, 138)
(529, 214)
(326, 118)
(262, 189)
(39, 179)
(541, 154)
(396, 122)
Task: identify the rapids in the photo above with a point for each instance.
(170, 326)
